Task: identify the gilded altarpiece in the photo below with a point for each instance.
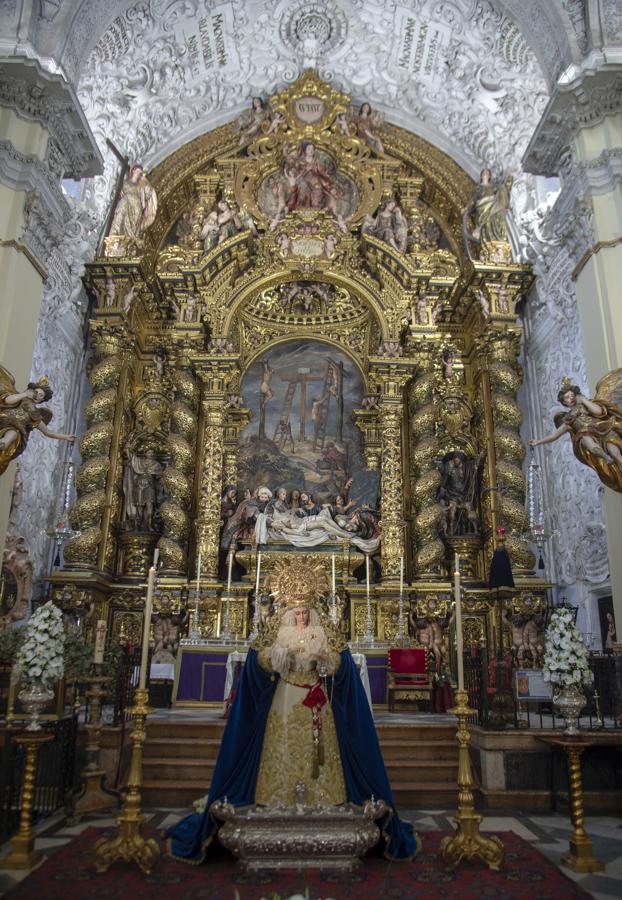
(304, 319)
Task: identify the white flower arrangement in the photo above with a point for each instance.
(40, 657)
(565, 654)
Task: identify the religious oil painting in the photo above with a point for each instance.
(302, 436)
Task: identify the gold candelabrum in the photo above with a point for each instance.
(467, 842)
(94, 796)
(23, 854)
(129, 844)
(580, 858)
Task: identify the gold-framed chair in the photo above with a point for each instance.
(408, 676)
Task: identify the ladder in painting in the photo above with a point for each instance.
(286, 409)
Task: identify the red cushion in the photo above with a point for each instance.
(411, 659)
(410, 682)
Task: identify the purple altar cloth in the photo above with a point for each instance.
(201, 675)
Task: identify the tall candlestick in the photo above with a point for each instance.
(147, 621)
(458, 600)
(257, 575)
(333, 573)
(400, 621)
(367, 572)
(100, 642)
(230, 571)
(198, 588)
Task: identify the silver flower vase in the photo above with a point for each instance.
(569, 702)
(34, 698)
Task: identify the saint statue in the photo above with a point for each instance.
(142, 490)
(284, 731)
(458, 493)
(19, 415)
(135, 210)
(490, 211)
(595, 427)
(366, 121)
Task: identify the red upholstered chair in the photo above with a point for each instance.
(408, 676)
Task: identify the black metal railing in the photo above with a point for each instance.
(603, 709)
(56, 777)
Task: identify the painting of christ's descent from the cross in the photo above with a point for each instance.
(301, 459)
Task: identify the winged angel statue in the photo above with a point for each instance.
(19, 415)
(595, 427)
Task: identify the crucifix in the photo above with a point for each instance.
(125, 165)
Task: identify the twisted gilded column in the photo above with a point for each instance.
(428, 549)
(178, 475)
(93, 511)
(500, 379)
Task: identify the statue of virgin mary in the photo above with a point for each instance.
(300, 715)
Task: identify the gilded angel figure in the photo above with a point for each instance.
(20, 414)
(366, 121)
(595, 427)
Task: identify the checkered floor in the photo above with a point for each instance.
(549, 833)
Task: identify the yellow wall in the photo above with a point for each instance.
(599, 298)
(21, 283)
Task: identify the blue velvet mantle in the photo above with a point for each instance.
(237, 767)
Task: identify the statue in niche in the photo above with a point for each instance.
(423, 233)
(135, 210)
(224, 222)
(143, 491)
(490, 212)
(19, 415)
(527, 639)
(595, 427)
(305, 183)
(166, 630)
(458, 493)
(388, 225)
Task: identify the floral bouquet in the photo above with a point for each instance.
(40, 658)
(565, 654)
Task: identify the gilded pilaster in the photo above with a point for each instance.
(428, 549)
(391, 378)
(214, 375)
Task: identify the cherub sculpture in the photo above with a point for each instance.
(595, 427)
(19, 415)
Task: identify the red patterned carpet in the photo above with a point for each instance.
(70, 874)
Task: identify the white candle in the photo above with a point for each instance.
(147, 621)
(333, 568)
(458, 623)
(100, 642)
(230, 571)
(401, 575)
(257, 576)
(198, 589)
(367, 572)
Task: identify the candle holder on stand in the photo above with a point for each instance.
(129, 844)
(22, 854)
(467, 841)
(95, 795)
